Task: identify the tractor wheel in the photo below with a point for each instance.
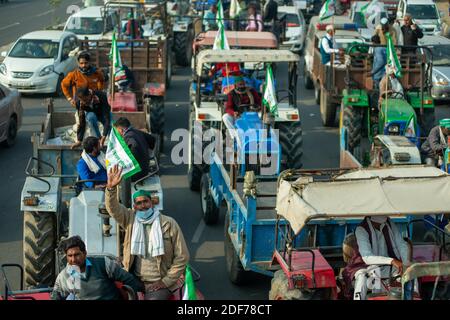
(236, 271)
(291, 141)
(39, 243)
(169, 70)
(426, 121)
(155, 107)
(183, 47)
(327, 110)
(317, 93)
(309, 84)
(209, 208)
(12, 133)
(353, 121)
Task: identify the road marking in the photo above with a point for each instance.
(44, 13)
(10, 25)
(198, 232)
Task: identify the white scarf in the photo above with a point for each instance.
(92, 165)
(155, 242)
(375, 248)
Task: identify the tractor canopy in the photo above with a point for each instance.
(393, 191)
(241, 39)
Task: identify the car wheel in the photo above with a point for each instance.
(12, 133)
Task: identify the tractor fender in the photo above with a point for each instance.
(155, 89)
(355, 97)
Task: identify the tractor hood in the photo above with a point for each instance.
(397, 110)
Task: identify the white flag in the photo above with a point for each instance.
(270, 98)
(235, 9)
(221, 42)
(117, 152)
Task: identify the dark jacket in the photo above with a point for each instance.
(139, 142)
(99, 283)
(102, 110)
(236, 99)
(411, 37)
(271, 11)
(433, 147)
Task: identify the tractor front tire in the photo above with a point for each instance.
(426, 121)
(39, 244)
(291, 142)
(327, 109)
(209, 208)
(183, 47)
(353, 121)
(155, 107)
(309, 84)
(317, 93)
(236, 271)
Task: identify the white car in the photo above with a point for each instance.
(424, 12)
(91, 23)
(357, 17)
(295, 28)
(39, 61)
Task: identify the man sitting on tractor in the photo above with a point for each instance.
(91, 165)
(390, 85)
(239, 97)
(90, 278)
(154, 246)
(381, 252)
(434, 146)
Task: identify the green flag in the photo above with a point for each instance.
(269, 98)
(327, 10)
(221, 42)
(189, 286)
(219, 14)
(114, 55)
(392, 60)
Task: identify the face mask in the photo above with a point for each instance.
(378, 219)
(144, 215)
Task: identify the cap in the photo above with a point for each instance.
(384, 21)
(141, 193)
(445, 123)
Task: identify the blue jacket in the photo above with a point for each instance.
(326, 57)
(85, 173)
(379, 63)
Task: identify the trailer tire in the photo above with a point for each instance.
(309, 84)
(169, 71)
(195, 170)
(236, 271)
(39, 244)
(353, 121)
(210, 210)
(155, 107)
(317, 93)
(291, 141)
(327, 110)
(183, 47)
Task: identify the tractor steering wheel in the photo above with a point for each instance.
(248, 108)
(396, 95)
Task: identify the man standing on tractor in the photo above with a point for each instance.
(434, 146)
(328, 45)
(390, 85)
(383, 28)
(132, 30)
(241, 95)
(411, 34)
(90, 278)
(154, 246)
(85, 76)
(381, 252)
(379, 63)
(91, 165)
(209, 19)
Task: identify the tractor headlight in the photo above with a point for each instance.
(47, 70)
(3, 69)
(394, 129)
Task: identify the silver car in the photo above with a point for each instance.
(440, 46)
(10, 115)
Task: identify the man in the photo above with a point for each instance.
(91, 165)
(240, 95)
(383, 28)
(434, 146)
(379, 62)
(92, 106)
(139, 143)
(411, 34)
(327, 45)
(90, 278)
(271, 16)
(390, 84)
(85, 75)
(380, 252)
(132, 29)
(209, 19)
(154, 246)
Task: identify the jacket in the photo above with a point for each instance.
(383, 40)
(271, 11)
(173, 263)
(86, 174)
(76, 79)
(433, 146)
(99, 283)
(236, 99)
(379, 63)
(139, 143)
(102, 110)
(411, 37)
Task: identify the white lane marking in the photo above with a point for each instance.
(10, 25)
(44, 13)
(198, 232)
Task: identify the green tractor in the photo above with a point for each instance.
(363, 116)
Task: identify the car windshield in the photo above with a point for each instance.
(35, 49)
(90, 25)
(422, 11)
(359, 19)
(441, 55)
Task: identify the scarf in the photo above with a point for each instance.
(391, 236)
(155, 246)
(92, 165)
(90, 71)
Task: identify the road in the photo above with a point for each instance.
(205, 242)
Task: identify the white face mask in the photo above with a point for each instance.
(379, 219)
(144, 215)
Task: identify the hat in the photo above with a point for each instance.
(129, 15)
(384, 21)
(141, 193)
(329, 27)
(445, 123)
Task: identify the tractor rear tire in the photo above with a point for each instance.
(183, 47)
(327, 109)
(195, 171)
(209, 208)
(291, 142)
(353, 121)
(236, 272)
(309, 84)
(157, 118)
(39, 244)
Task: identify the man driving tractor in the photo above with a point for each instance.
(240, 96)
(434, 146)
